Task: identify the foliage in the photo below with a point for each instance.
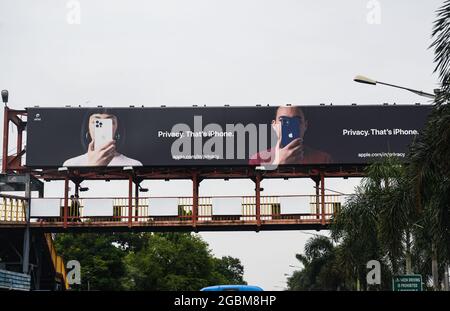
(321, 268)
(146, 261)
(102, 263)
(400, 214)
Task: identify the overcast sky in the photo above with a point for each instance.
(245, 52)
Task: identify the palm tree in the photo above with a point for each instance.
(400, 214)
(430, 156)
(321, 270)
(374, 223)
(355, 229)
(441, 45)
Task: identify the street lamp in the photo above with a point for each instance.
(5, 95)
(365, 80)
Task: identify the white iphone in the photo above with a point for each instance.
(103, 132)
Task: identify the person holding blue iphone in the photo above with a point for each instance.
(290, 126)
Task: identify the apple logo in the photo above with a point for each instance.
(290, 135)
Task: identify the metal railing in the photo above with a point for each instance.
(12, 208)
(309, 209)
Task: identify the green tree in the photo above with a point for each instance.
(400, 213)
(374, 224)
(430, 164)
(177, 261)
(147, 261)
(102, 266)
(170, 261)
(228, 270)
(321, 270)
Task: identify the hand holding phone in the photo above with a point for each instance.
(102, 156)
(289, 147)
(102, 148)
(103, 133)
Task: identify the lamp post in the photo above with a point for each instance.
(365, 80)
(5, 96)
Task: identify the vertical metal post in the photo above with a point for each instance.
(258, 199)
(38, 272)
(5, 139)
(136, 201)
(322, 190)
(66, 200)
(26, 237)
(77, 189)
(130, 201)
(76, 205)
(195, 185)
(19, 142)
(317, 198)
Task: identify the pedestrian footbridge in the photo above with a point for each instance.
(212, 213)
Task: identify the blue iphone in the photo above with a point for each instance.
(290, 130)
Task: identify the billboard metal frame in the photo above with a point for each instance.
(12, 164)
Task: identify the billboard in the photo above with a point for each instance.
(220, 136)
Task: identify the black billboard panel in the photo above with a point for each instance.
(220, 136)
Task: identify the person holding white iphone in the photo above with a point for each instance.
(102, 136)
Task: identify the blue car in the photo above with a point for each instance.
(232, 288)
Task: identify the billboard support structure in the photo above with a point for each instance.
(26, 237)
(77, 189)
(317, 181)
(136, 200)
(317, 170)
(195, 187)
(258, 200)
(66, 200)
(322, 189)
(12, 162)
(130, 200)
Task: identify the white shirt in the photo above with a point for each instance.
(118, 160)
